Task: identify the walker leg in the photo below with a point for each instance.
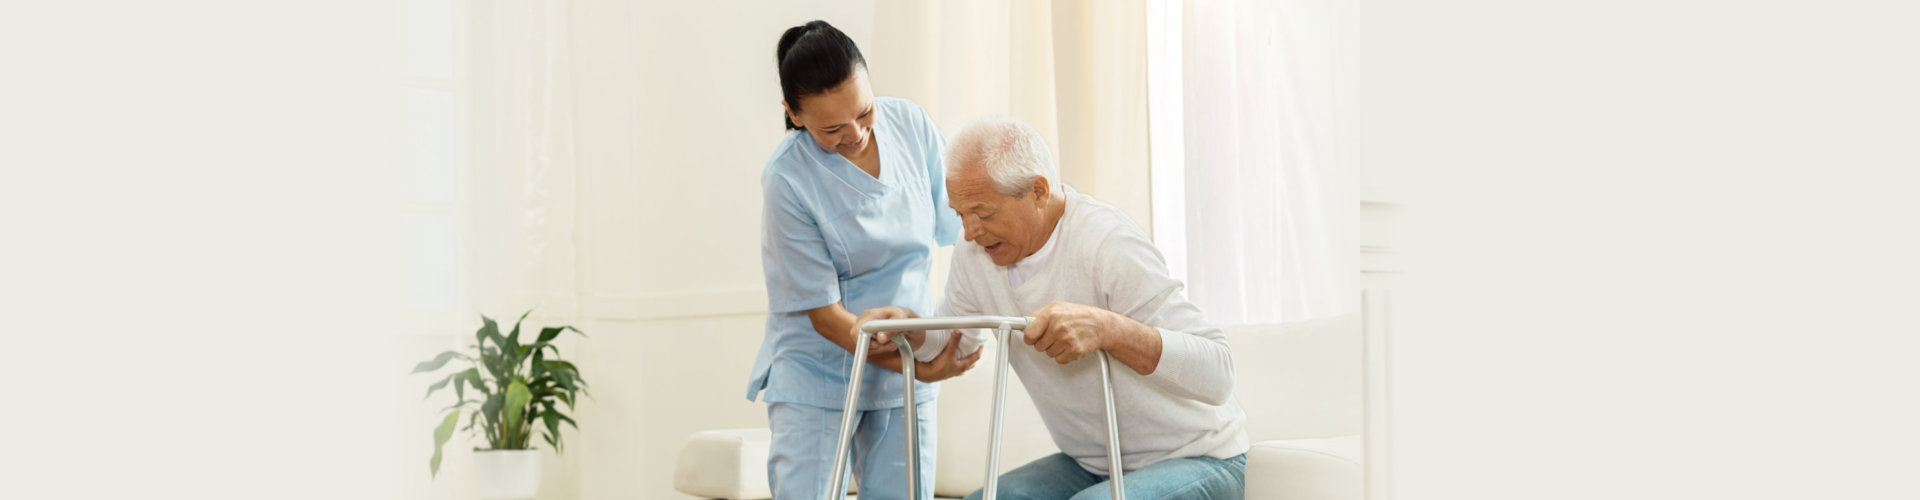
(1113, 430)
(913, 423)
(836, 485)
(1005, 334)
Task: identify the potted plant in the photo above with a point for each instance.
(516, 388)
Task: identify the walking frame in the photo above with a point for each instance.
(1004, 327)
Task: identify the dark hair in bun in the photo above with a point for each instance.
(814, 58)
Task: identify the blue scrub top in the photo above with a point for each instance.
(831, 233)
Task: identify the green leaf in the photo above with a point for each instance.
(472, 376)
(475, 419)
(491, 412)
(512, 349)
(436, 363)
(516, 405)
(567, 376)
(441, 384)
(564, 370)
(487, 330)
(490, 358)
(514, 339)
(561, 379)
(491, 409)
(551, 332)
(493, 333)
(577, 379)
(553, 426)
(440, 436)
(543, 346)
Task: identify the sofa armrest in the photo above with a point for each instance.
(1306, 469)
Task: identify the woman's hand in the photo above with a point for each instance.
(881, 342)
(880, 349)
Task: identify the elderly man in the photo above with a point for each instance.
(1091, 280)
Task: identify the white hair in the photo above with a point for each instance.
(1012, 152)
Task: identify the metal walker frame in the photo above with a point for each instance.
(1004, 327)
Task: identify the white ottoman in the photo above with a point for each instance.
(725, 463)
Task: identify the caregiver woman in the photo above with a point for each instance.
(855, 202)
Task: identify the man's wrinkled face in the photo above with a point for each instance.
(1009, 227)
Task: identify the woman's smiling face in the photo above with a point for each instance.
(840, 119)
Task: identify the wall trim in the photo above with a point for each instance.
(1377, 366)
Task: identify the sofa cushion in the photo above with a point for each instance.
(1301, 379)
(1306, 469)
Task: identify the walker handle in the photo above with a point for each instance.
(918, 324)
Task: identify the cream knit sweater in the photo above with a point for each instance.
(1185, 408)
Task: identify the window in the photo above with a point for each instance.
(435, 97)
(1254, 202)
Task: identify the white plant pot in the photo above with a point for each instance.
(506, 474)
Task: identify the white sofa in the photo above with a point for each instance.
(1300, 384)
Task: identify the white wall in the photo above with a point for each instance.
(678, 106)
(1660, 249)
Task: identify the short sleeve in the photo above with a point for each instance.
(793, 252)
(946, 223)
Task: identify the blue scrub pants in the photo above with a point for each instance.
(1058, 477)
(803, 444)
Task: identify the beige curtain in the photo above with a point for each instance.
(1074, 69)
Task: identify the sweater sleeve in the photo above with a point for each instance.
(1195, 361)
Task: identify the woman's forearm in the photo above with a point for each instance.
(835, 323)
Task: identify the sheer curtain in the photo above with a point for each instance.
(526, 204)
(1270, 201)
(1074, 69)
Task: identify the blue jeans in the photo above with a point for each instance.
(803, 442)
(1058, 477)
